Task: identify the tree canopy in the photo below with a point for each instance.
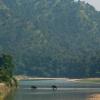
(59, 38)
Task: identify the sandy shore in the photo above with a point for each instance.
(20, 77)
(94, 97)
(83, 80)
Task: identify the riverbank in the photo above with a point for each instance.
(21, 77)
(4, 91)
(90, 80)
(82, 80)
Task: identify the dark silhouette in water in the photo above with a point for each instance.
(54, 87)
(33, 87)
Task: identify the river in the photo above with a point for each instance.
(66, 90)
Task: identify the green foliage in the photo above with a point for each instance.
(51, 37)
(6, 69)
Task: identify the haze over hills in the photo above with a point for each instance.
(51, 38)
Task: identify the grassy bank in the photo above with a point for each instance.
(4, 91)
(90, 80)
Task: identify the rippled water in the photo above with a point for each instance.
(66, 90)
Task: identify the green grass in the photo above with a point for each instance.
(1, 96)
(90, 80)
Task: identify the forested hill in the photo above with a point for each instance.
(52, 38)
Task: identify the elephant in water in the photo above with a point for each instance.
(33, 87)
(54, 87)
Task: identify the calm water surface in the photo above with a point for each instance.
(67, 90)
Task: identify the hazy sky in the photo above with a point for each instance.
(95, 3)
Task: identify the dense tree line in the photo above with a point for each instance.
(53, 38)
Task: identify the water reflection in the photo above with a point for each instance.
(52, 95)
(94, 97)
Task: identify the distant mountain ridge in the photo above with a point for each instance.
(51, 38)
